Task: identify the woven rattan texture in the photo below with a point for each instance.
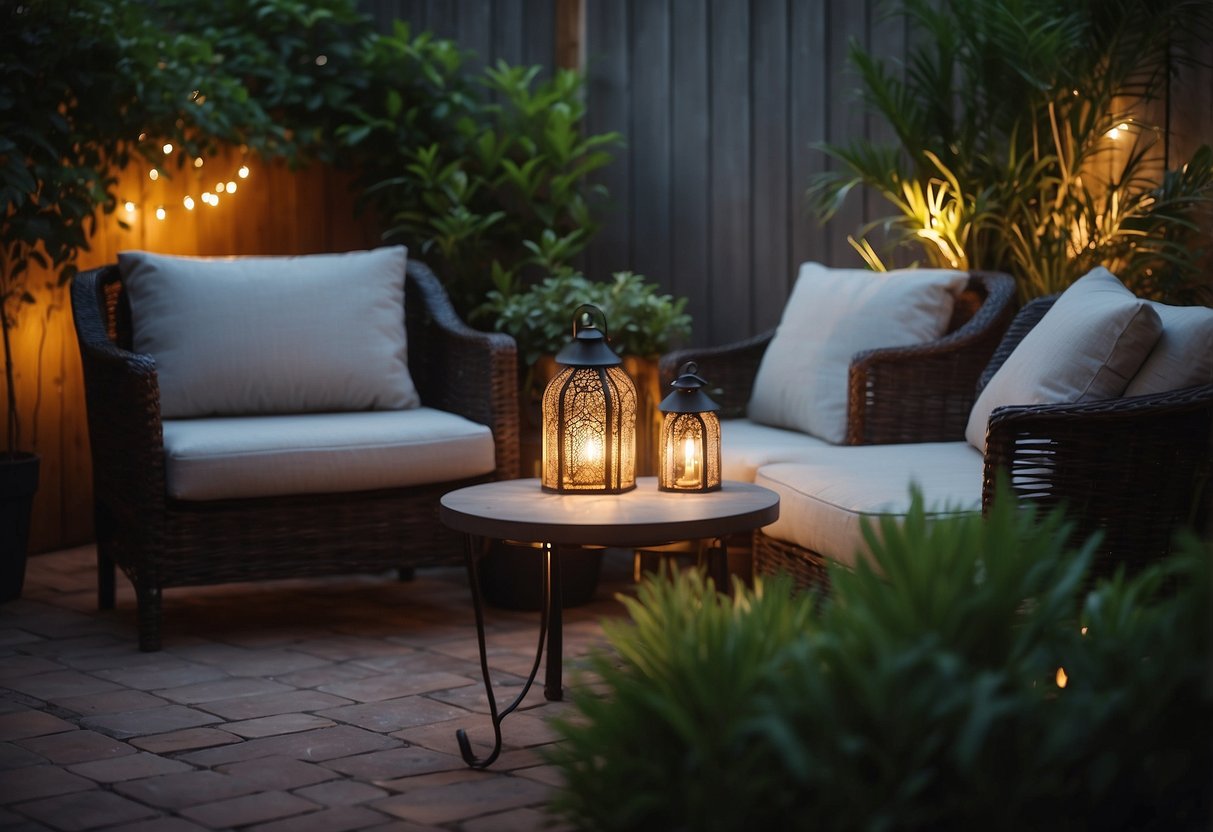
(1134, 469)
(921, 393)
(160, 543)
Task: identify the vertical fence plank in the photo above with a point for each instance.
(608, 91)
(769, 92)
(649, 142)
(808, 92)
(731, 297)
(691, 150)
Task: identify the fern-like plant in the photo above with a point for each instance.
(1024, 143)
(967, 681)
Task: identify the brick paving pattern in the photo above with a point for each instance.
(285, 706)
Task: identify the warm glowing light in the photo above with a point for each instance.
(1084, 631)
(1061, 677)
(188, 202)
(589, 416)
(168, 148)
(591, 450)
(243, 172)
(219, 187)
(231, 187)
(690, 459)
(689, 452)
(209, 198)
(153, 174)
(198, 162)
(215, 200)
(321, 60)
(160, 213)
(129, 206)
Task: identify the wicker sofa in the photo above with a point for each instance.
(161, 541)
(1133, 467)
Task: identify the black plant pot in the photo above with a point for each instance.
(18, 482)
(511, 576)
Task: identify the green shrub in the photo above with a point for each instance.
(928, 698)
(481, 174)
(642, 321)
(1024, 143)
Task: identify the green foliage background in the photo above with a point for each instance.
(924, 695)
(483, 173)
(1024, 144)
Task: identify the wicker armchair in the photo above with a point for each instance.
(920, 393)
(1134, 469)
(161, 542)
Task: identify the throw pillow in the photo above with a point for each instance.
(252, 335)
(1183, 356)
(831, 315)
(1085, 348)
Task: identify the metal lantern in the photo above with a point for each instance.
(589, 416)
(690, 436)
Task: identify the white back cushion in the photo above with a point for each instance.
(831, 315)
(256, 335)
(1085, 348)
(1183, 356)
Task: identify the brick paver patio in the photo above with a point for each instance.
(279, 707)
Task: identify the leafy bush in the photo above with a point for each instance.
(930, 698)
(1023, 143)
(496, 181)
(642, 321)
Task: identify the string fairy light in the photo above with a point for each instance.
(189, 201)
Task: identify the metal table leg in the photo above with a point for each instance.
(550, 569)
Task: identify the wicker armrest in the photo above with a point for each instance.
(924, 393)
(1133, 468)
(122, 395)
(460, 369)
(729, 370)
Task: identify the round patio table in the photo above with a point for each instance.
(520, 510)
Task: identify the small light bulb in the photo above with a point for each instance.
(1084, 631)
(207, 196)
(129, 206)
(1061, 677)
(243, 172)
(321, 60)
(198, 162)
(231, 187)
(153, 174)
(219, 186)
(1122, 127)
(188, 202)
(215, 201)
(168, 148)
(160, 212)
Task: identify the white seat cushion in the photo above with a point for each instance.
(823, 502)
(746, 446)
(1086, 348)
(320, 453)
(1183, 356)
(831, 315)
(252, 335)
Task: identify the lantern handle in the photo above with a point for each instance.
(577, 318)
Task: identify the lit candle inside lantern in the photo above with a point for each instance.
(690, 460)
